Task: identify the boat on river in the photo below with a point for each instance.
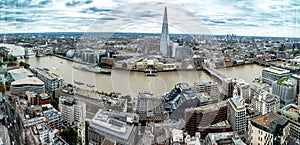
(78, 83)
(95, 69)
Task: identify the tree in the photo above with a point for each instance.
(54, 103)
(128, 97)
(10, 98)
(69, 135)
(24, 64)
(2, 89)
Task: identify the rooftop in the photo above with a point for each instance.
(209, 107)
(45, 73)
(276, 70)
(110, 126)
(218, 138)
(288, 82)
(21, 71)
(290, 111)
(269, 122)
(237, 102)
(28, 81)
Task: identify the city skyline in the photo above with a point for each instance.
(247, 18)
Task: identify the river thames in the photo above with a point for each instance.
(131, 82)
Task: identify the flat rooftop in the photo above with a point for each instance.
(209, 107)
(276, 70)
(265, 120)
(237, 103)
(290, 111)
(21, 71)
(231, 137)
(28, 81)
(269, 122)
(108, 126)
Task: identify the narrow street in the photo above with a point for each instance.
(11, 123)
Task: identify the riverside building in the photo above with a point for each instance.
(273, 74)
(284, 88)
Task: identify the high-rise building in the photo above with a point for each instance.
(237, 114)
(266, 102)
(204, 116)
(73, 112)
(52, 81)
(268, 129)
(164, 38)
(273, 74)
(284, 88)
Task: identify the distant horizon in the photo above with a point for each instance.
(62, 32)
(267, 18)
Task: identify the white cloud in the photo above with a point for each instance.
(256, 17)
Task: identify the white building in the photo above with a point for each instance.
(33, 84)
(266, 102)
(237, 113)
(73, 113)
(268, 129)
(273, 74)
(104, 125)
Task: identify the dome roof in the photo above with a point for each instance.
(70, 53)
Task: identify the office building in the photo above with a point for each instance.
(223, 138)
(271, 74)
(164, 38)
(32, 84)
(178, 99)
(243, 88)
(291, 113)
(53, 116)
(204, 116)
(237, 114)
(284, 88)
(150, 108)
(211, 88)
(73, 112)
(268, 129)
(103, 126)
(266, 102)
(52, 81)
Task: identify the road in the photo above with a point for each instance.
(12, 124)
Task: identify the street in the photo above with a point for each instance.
(11, 123)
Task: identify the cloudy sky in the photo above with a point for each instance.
(241, 17)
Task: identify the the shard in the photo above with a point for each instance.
(164, 38)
